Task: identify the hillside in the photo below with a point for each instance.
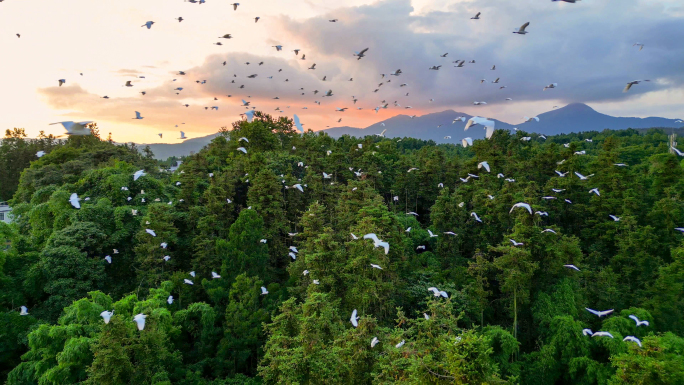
(254, 267)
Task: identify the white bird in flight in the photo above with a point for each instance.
(638, 323)
(140, 321)
(521, 30)
(523, 205)
(632, 339)
(599, 313)
(438, 292)
(107, 315)
(75, 128)
(377, 242)
(74, 200)
(354, 319)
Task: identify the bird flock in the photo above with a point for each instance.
(242, 85)
(82, 128)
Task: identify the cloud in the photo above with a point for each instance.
(585, 47)
(569, 44)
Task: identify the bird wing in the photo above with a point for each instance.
(74, 201)
(371, 236)
(298, 124)
(384, 245)
(592, 311)
(522, 29)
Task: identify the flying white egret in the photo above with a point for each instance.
(376, 266)
(400, 344)
(292, 255)
(354, 319)
(140, 321)
(582, 177)
(483, 164)
(24, 310)
(632, 339)
(244, 150)
(599, 313)
(108, 259)
(298, 124)
(521, 30)
(595, 191)
(148, 24)
(138, 174)
(151, 232)
(374, 342)
(74, 200)
(188, 282)
(473, 214)
(75, 128)
(516, 243)
(214, 275)
(169, 300)
(523, 205)
(107, 315)
(488, 124)
(552, 85)
(587, 332)
(638, 323)
(138, 116)
(602, 334)
(572, 267)
(264, 291)
(40, 154)
(377, 242)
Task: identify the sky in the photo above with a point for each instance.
(586, 47)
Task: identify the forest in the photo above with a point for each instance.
(249, 265)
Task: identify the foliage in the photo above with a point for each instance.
(514, 312)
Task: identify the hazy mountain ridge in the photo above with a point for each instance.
(576, 117)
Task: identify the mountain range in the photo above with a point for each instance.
(438, 126)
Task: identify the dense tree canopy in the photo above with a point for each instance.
(245, 279)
